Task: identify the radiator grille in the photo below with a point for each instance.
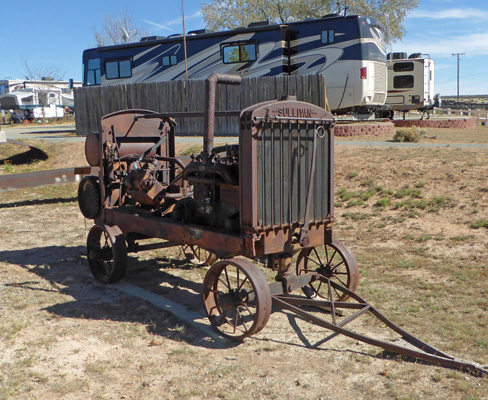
(284, 161)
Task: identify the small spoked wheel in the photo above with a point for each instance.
(198, 256)
(237, 298)
(107, 253)
(334, 261)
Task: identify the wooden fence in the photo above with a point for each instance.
(91, 103)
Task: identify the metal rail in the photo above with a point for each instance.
(411, 347)
(40, 178)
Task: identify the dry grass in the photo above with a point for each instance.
(424, 263)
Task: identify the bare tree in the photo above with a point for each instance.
(42, 80)
(117, 29)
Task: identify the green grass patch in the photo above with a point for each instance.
(356, 216)
(481, 223)
(355, 203)
(344, 195)
(365, 196)
(409, 264)
(382, 191)
(8, 330)
(382, 203)
(195, 149)
(408, 192)
(431, 205)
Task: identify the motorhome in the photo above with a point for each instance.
(348, 50)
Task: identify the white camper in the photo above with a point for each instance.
(410, 82)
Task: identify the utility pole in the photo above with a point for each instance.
(458, 55)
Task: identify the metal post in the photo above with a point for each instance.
(458, 55)
(184, 37)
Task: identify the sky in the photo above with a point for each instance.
(54, 33)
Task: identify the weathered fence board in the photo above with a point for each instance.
(91, 103)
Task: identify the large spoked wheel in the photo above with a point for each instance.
(237, 298)
(198, 256)
(334, 261)
(107, 253)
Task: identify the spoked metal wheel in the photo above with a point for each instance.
(334, 261)
(237, 298)
(198, 256)
(107, 253)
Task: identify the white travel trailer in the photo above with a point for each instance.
(37, 102)
(410, 82)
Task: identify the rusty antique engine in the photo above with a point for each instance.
(254, 205)
(269, 194)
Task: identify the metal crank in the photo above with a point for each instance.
(411, 347)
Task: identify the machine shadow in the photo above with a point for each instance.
(38, 202)
(66, 270)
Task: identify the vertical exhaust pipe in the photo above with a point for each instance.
(209, 118)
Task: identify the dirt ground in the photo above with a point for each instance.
(415, 218)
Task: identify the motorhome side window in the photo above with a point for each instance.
(403, 82)
(169, 60)
(328, 37)
(118, 69)
(403, 66)
(93, 72)
(241, 52)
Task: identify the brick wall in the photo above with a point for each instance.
(458, 123)
(364, 129)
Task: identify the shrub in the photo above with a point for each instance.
(383, 203)
(407, 135)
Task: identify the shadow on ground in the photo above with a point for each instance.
(66, 269)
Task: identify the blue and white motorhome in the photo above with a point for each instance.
(348, 50)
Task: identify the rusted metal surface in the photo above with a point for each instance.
(107, 253)
(336, 262)
(277, 147)
(237, 298)
(209, 120)
(405, 344)
(213, 215)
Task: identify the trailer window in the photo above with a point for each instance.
(118, 69)
(169, 60)
(403, 82)
(328, 37)
(403, 66)
(93, 72)
(241, 52)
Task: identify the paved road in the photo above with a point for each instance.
(68, 132)
(46, 132)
